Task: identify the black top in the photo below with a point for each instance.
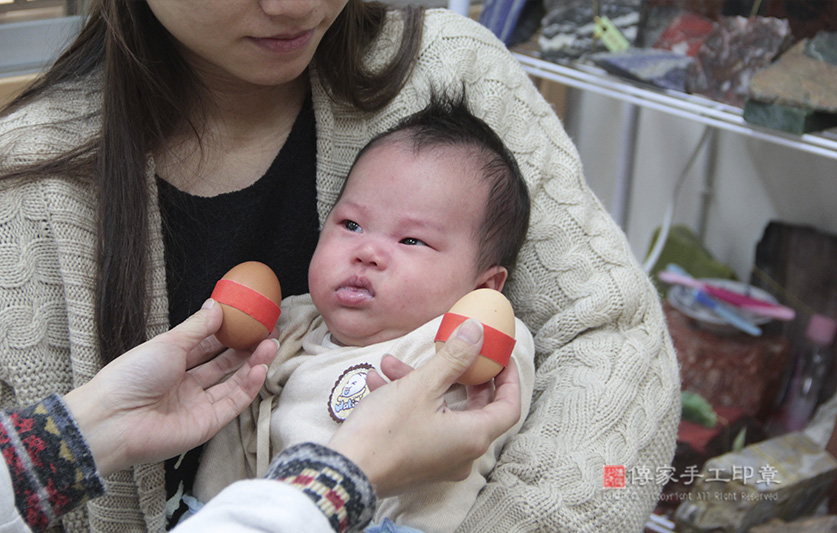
(273, 221)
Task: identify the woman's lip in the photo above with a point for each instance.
(284, 44)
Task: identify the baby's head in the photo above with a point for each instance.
(431, 210)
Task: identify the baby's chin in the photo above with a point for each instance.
(350, 337)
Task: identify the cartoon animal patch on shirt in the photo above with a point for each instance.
(348, 390)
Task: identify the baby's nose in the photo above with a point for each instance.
(371, 253)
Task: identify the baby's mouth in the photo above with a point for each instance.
(355, 291)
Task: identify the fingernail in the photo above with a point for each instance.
(276, 342)
(470, 331)
(208, 304)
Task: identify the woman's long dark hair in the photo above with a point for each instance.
(148, 92)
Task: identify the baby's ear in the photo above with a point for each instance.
(493, 278)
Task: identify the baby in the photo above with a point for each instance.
(431, 210)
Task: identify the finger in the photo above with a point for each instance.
(242, 380)
(504, 411)
(195, 335)
(455, 357)
(208, 348)
(394, 368)
(479, 395)
(232, 396)
(374, 380)
(213, 371)
(508, 380)
(210, 372)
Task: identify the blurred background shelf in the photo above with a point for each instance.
(691, 107)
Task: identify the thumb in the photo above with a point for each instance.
(197, 327)
(455, 357)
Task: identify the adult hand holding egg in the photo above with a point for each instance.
(168, 394)
(403, 434)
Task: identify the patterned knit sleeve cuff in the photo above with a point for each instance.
(49, 462)
(335, 484)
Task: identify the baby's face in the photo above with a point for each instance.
(400, 246)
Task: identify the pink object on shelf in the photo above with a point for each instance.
(754, 305)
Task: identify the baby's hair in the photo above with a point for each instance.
(447, 122)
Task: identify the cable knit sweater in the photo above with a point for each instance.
(606, 386)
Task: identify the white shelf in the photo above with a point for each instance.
(690, 107)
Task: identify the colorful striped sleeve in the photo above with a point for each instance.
(334, 483)
(49, 462)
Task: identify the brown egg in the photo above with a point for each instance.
(250, 296)
(495, 312)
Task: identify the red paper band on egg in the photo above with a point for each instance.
(496, 345)
(245, 299)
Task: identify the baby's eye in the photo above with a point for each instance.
(412, 241)
(351, 225)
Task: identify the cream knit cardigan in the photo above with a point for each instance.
(606, 388)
